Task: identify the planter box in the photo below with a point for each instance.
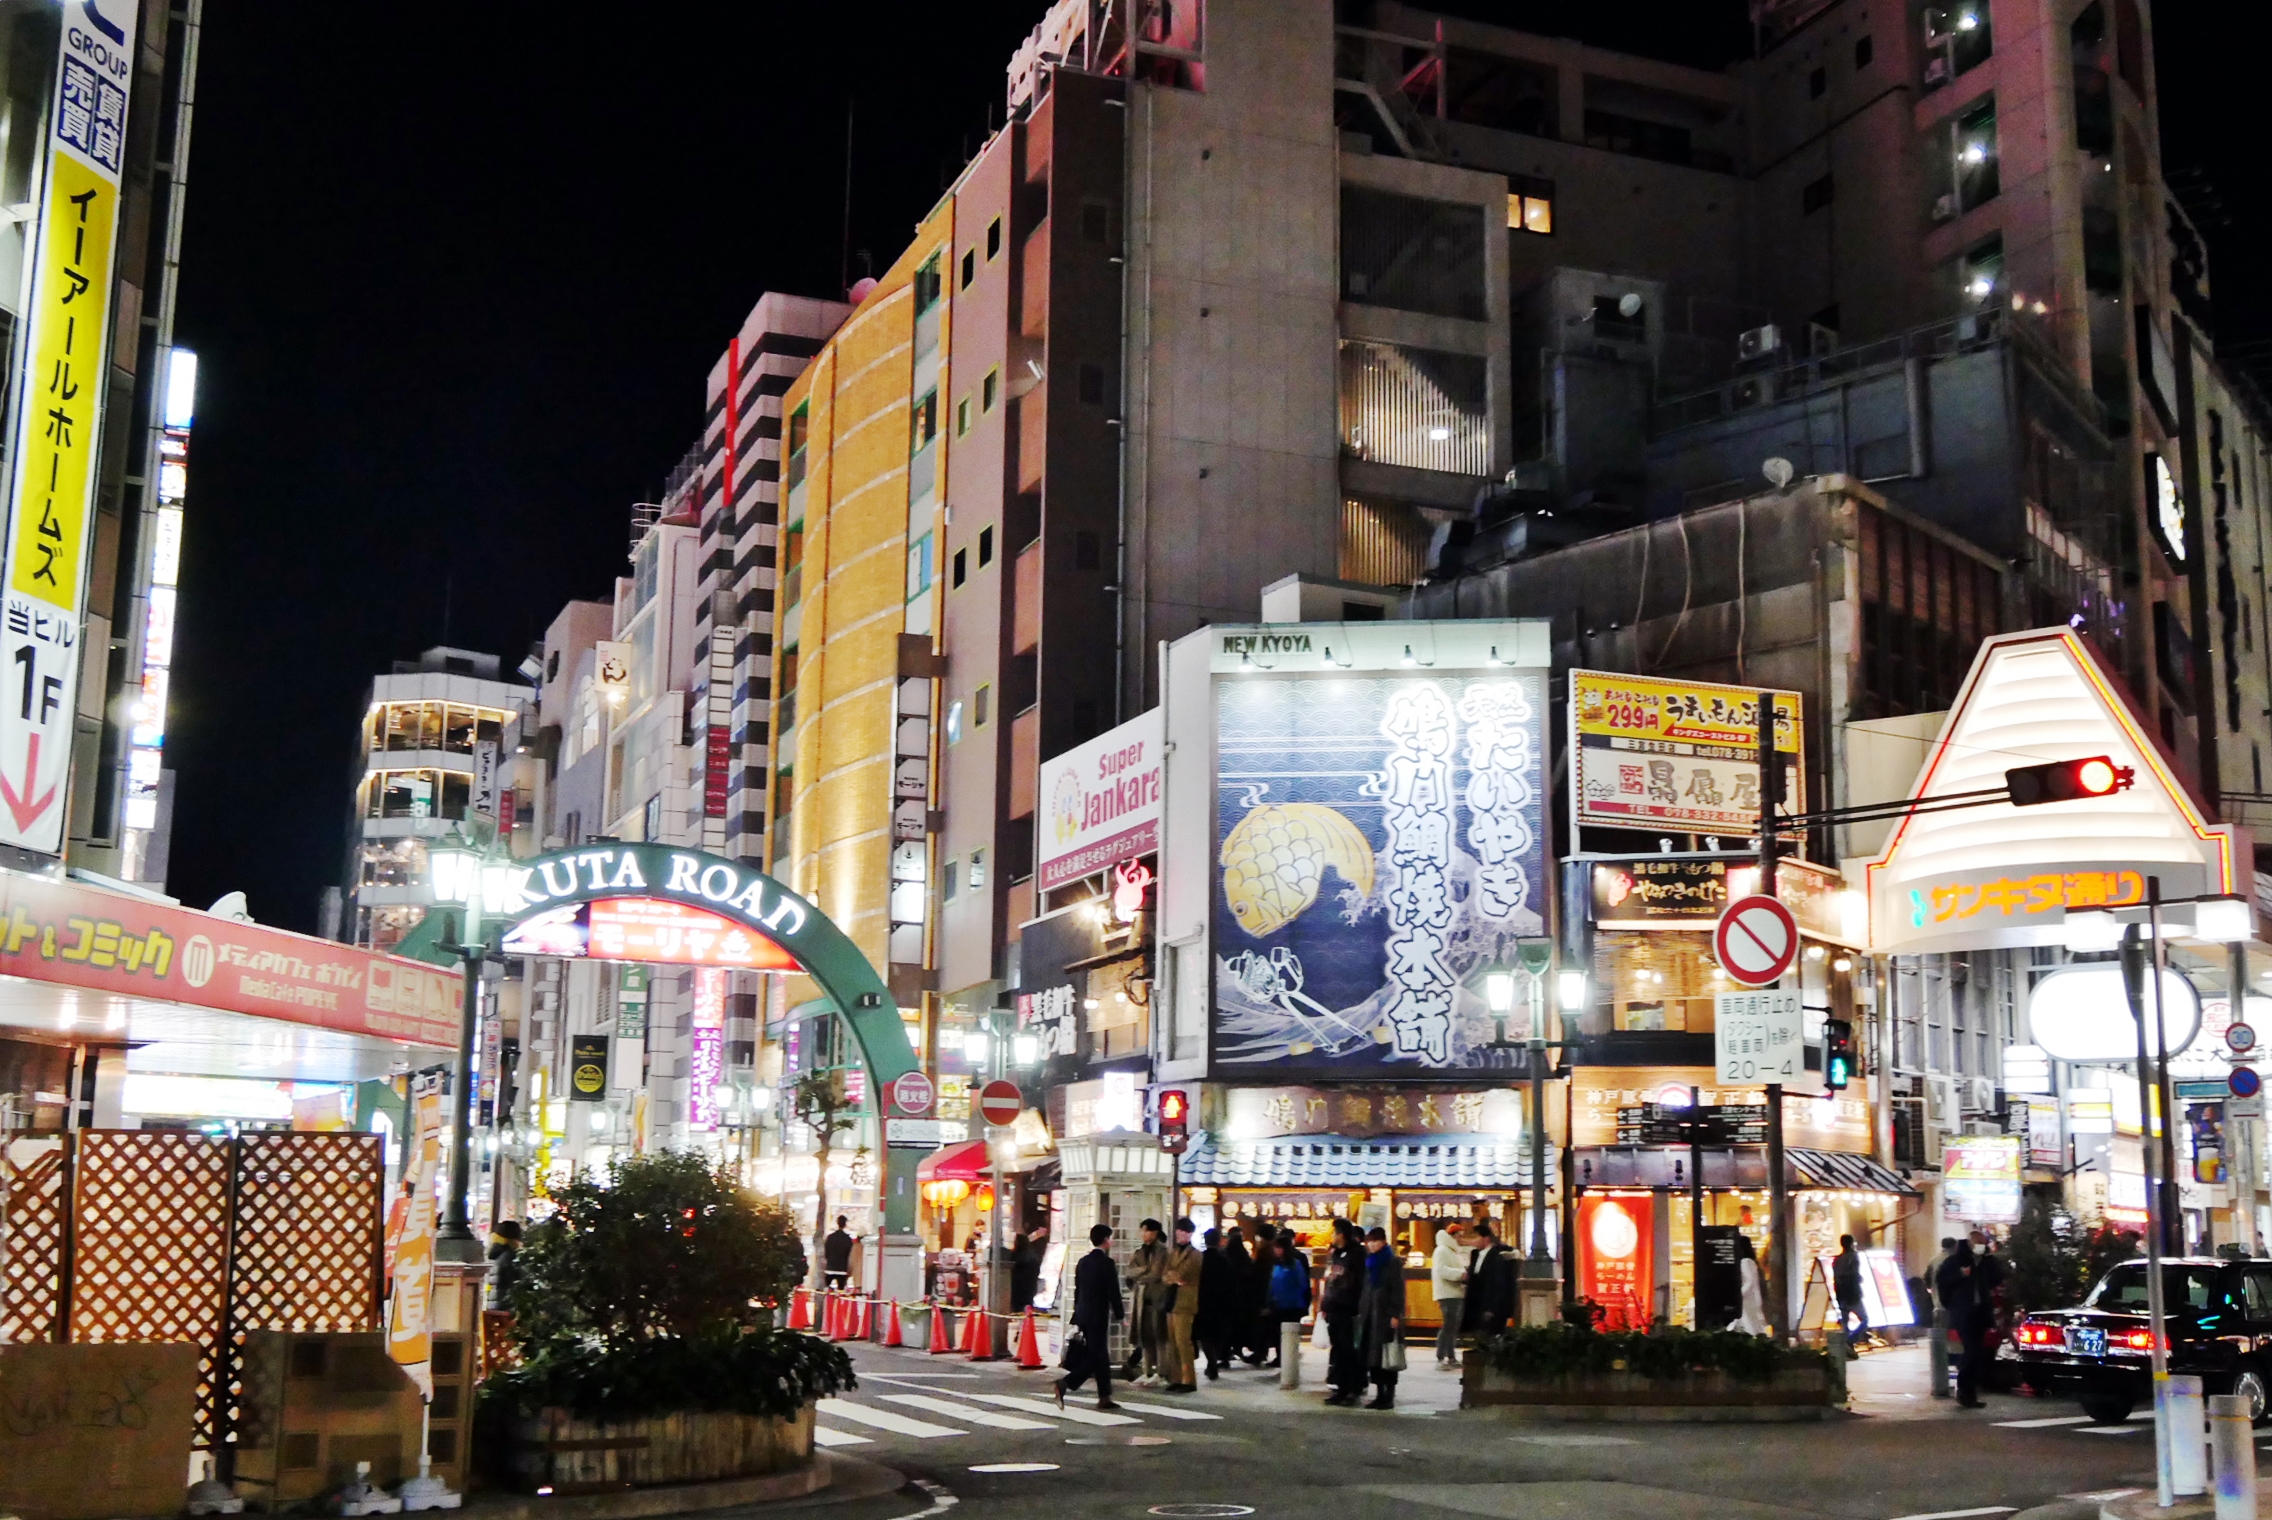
(1795, 1393)
(556, 1450)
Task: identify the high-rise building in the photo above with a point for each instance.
(424, 729)
(100, 97)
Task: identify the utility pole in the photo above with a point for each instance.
(2244, 1131)
(1778, 1195)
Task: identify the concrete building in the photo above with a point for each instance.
(422, 728)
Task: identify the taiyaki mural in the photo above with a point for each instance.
(1378, 839)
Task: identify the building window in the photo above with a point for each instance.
(1958, 38)
(961, 570)
(985, 546)
(1818, 84)
(1982, 270)
(919, 567)
(993, 239)
(1416, 407)
(948, 877)
(1411, 254)
(977, 869)
(1658, 982)
(962, 416)
(1864, 50)
(1092, 385)
(969, 266)
(1975, 155)
(990, 389)
(928, 285)
(1531, 212)
(954, 722)
(651, 818)
(980, 701)
(1815, 196)
(800, 429)
(925, 425)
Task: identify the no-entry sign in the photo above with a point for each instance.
(1000, 1102)
(1755, 940)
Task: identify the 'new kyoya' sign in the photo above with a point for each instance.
(648, 870)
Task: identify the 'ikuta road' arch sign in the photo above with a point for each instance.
(659, 903)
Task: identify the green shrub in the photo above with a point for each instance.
(1564, 1349)
(759, 1372)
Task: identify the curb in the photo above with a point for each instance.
(684, 1498)
(2141, 1506)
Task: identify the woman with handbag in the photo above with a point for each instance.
(1380, 1317)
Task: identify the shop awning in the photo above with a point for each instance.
(1667, 1167)
(965, 1161)
(1488, 1163)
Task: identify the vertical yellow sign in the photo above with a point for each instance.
(410, 1306)
(71, 302)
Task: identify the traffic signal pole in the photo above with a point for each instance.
(1778, 1194)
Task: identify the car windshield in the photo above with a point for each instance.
(2184, 1289)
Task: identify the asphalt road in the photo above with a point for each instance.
(942, 1422)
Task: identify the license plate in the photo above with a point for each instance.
(2087, 1342)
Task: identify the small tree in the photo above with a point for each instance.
(667, 1246)
(819, 1100)
(2050, 1257)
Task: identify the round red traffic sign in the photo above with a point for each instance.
(2245, 1082)
(1000, 1102)
(1755, 940)
(912, 1094)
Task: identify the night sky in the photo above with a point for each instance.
(456, 277)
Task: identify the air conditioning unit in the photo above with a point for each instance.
(1758, 342)
(1821, 341)
(1943, 1109)
(1937, 70)
(1944, 207)
(1745, 394)
(1980, 1096)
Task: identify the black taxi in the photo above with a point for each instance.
(2218, 1320)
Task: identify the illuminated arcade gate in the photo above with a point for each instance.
(653, 903)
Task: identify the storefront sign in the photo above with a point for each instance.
(1995, 876)
(1113, 1104)
(1688, 892)
(1100, 802)
(1840, 1123)
(1980, 1179)
(587, 1068)
(651, 929)
(706, 1051)
(2082, 1013)
(1262, 1113)
(410, 1308)
(2045, 1146)
(58, 393)
(1616, 1258)
(631, 1004)
(81, 936)
(1375, 832)
(1678, 755)
(1237, 1203)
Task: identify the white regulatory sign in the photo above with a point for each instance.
(1755, 1037)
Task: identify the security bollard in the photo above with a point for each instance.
(2232, 1442)
(2188, 1456)
(1290, 1354)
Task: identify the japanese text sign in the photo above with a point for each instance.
(1674, 754)
(1755, 1037)
(53, 445)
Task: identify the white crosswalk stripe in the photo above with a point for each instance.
(2111, 1430)
(884, 1419)
(1072, 1412)
(1167, 1411)
(2064, 1419)
(956, 1411)
(823, 1436)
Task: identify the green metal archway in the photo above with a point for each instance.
(755, 901)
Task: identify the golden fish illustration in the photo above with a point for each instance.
(1275, 860)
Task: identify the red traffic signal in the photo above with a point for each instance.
(2067, 780)
(1175, 1119)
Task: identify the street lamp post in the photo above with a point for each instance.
(460, 872)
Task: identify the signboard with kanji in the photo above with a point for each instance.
(1680, 755)
(53, 441)
(1755, 1037)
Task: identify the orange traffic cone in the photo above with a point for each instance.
(863, 1311)
(891, 1325)
(836, 1327)
(800, 1309)
(978, 1338)
(940, 1345)
(1029, 1344)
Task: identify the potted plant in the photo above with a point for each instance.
(1570, 1363)
(643, 1323)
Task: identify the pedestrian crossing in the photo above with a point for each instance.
(920, 1410)
(2141, 1422)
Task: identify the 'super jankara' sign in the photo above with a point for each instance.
(1100, 802)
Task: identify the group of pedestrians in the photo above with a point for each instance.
(1227, 1303)
(1963, 1281)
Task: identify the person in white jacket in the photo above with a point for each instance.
(1754, 1318)
(1447, 1275)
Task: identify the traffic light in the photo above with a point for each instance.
(1175, 1120)
(2067, 780)
(1837, 1054)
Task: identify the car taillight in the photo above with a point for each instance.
(2135, 1340)
(2031, 1334)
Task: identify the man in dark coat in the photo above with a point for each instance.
(1490, 1283)
(1380, 1316)
(1337, 1300)
(836, 1256)
(1096, 1307)
(1959, 1290)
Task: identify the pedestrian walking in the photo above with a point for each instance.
(1288, 1300)
(1262, 1327)
(1247, 1291)
(1447, 1278)
(1096, 1308)
(1751, 1289)
(1179, 1311)
(1380, 1318)
(1846, 1284)
(1338, 1299)
(1222, 1281)
(1959, 1292)
(836, 1256)
(1938, 1320)
(1147, 1293)
(1490, 1282)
